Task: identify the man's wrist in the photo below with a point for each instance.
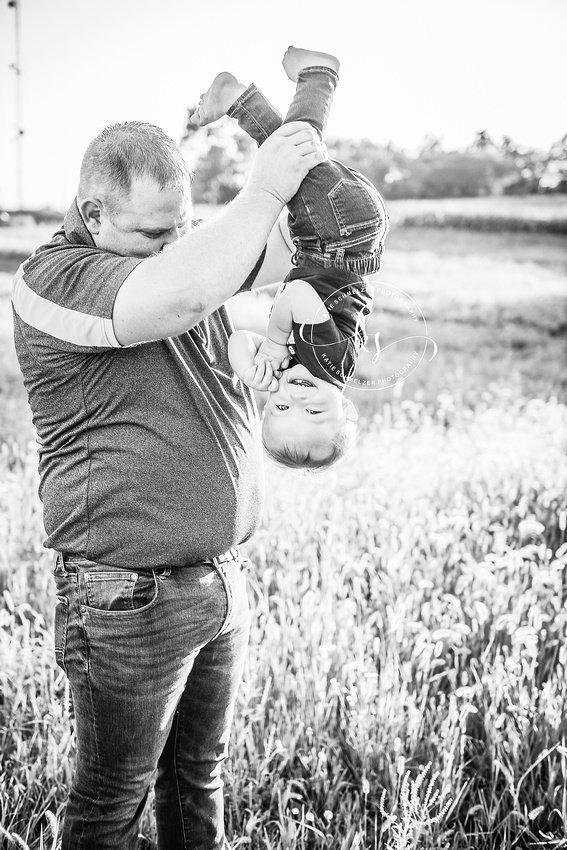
(263, 200)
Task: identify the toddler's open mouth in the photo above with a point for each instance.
(301, 382)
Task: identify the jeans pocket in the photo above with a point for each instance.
(353, 206)
(60, 626)
(119, 590)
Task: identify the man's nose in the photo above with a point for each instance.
(170, 237)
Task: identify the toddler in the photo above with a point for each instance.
(338, 223)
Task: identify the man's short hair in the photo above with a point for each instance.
(123, 152)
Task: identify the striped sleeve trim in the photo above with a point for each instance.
(60, 322)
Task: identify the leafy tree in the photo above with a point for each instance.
(221, 155)
(554, 178)
(483, 141)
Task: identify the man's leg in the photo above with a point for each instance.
(189, 787)
(128, 667)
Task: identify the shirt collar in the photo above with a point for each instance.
(75, 229)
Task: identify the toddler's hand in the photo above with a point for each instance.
(277, 355)
(260, 376)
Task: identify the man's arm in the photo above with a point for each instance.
(279, 249)
(168, 294)
(250, 310)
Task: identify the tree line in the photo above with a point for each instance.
(221, 155)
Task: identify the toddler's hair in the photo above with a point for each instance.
(297, 457)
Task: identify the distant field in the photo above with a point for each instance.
(535, 212)
(529, 207)
(494, 302)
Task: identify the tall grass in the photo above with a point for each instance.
(408, 610)
(405, 684)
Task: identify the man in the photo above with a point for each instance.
(150, 471)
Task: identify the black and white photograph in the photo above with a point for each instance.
(283, 425)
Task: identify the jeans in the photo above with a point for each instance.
(154, 660)
(337, 219)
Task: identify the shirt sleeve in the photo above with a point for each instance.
(68, 294)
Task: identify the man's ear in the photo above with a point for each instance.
(90, 209)
(350, 410)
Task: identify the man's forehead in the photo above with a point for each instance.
(149, 204)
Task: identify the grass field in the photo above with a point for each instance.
(535, 213)
(406, 679)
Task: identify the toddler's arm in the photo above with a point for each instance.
(299, 303)
(242, 348)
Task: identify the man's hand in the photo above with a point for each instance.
(169, 293)
(275, 354)
(285, 159)
(260, 376)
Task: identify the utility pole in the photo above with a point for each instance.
(17, 68)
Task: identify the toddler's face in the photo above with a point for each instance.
(306, 411)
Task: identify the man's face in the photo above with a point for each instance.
(148, 220)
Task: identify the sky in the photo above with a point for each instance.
(409, 69)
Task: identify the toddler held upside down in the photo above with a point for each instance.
(316, 329)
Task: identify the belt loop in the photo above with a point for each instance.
(233, 554)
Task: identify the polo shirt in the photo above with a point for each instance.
(148, 454)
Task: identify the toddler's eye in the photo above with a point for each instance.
(282, 406)
(312, 411)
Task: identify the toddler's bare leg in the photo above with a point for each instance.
(296, 59)
(214, 103)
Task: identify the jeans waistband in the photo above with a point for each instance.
(232, 555)
(70, 561)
